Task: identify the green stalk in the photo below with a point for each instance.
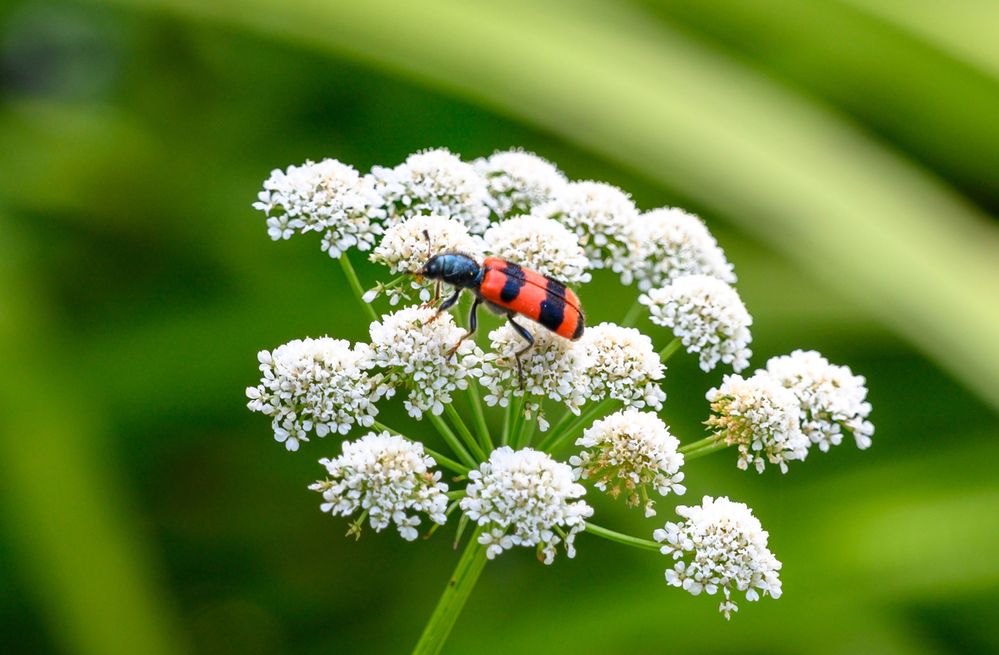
(479, 416)
(451, 439)
(451, 602)
(620, 538)
(634, 313)
(697, 445)
(557, 439)
(669, 349)
(517, 421)
(507, 420)
(707, 449)
(443, 460)
(463, 430)
(355, 284)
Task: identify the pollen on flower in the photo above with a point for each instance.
(628, 452)
(708, 317)
(388, 478)
(832, 398)
(414, 345)
(720, 545)
(525, 498)
(623, 365)
(434, 182)
(518, 181)
(761, 417)
(674, 243)
(405, 247)
(541, 244)
(603, 218)
(554, 368)
(315, 386)
(327, 197)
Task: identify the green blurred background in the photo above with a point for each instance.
(845, 153)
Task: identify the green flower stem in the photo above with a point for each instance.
(355, 284)
(463, 430)
(451, 439)
(633, 314)
(507, 420)
(697, 445)
(557, 439)
(625, 539)
(713, 447)
(451, 602)
(443, 460)
(561, 425)
(669, 349)
(517, 421)
(475, 401)
(456, 494)
(528, 431)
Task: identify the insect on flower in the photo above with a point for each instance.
(507, 289)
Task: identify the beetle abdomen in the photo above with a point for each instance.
(538, 297)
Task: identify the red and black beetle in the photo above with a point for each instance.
(507, 289)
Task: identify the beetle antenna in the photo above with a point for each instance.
(430, 249)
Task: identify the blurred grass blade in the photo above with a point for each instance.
(940, 111)
(78, 545)
(846, 209)
(966, 29)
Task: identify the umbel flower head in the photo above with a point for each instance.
(708, 317)
(326, 197)
(525, 498)
(554, 368)
(604, 220)
(832, 398)
(405, 247)
(541, 244)
(759, 416)
(434, 182)
(674, 243)
(389, 478)
(315, 386)
(623, 365)
(518, 181)
(720, 545)
(628, 452)
(413, 344)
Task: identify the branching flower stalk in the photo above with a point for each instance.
(501, 474)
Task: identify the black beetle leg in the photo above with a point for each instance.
(526, 336)
(473, 325)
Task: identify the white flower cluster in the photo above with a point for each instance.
(525, 498)
(315, 386)
(405, 247)
(387, 477)
(623, 365)
(518, 181)
(673, 243)
(541, 244)
(434, 182)
(832, 398)
(604, 220)
(630, 451)
(414, 345)
(761, 417)
(708, 317)
(720, 545)
(326, 197)
(554, 368)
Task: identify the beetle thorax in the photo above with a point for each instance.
(455, 269)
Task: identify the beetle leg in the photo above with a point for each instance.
(446, 305)
(437, 295)
(473, 324)
(526, 336)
